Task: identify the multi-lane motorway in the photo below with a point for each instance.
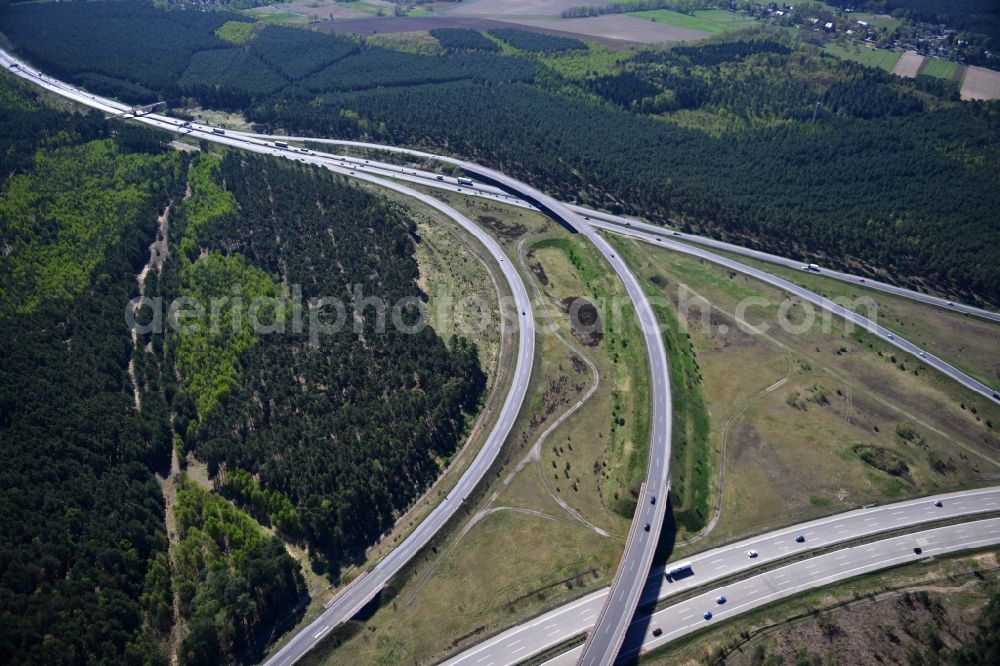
(560, 625)
(616, 609)
(430, 178)
(742, 596)
(767, 257)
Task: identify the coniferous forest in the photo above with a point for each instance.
(323, 442)
(894, 178)
(344, 433)
(82, 514)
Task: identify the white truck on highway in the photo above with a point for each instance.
(679, 570)
(465, 181)
(811, 267)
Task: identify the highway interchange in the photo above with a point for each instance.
(615, 612)
(613, 622)
(665, 238)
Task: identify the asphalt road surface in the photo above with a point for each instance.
(688, 617)
(792, 263)
(558, 626)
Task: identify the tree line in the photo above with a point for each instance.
(463, 39)
(537, 42)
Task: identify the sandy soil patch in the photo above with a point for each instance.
(981, 83)
(908, 65)
(510, 8)
(618, 28)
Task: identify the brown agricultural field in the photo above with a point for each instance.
(981, 83)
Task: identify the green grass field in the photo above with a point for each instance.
(710, 20)
(865, 55)
(941, 69)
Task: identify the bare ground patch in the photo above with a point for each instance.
(538, 271)
(908, 65)
(611, 30)
(507, 231)
(513, 8)
(585, 321)
(981, 83)
(877, 631)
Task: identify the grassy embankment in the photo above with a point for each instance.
(692, 460)
(969, 343)
(906, 610)
(819, 421)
